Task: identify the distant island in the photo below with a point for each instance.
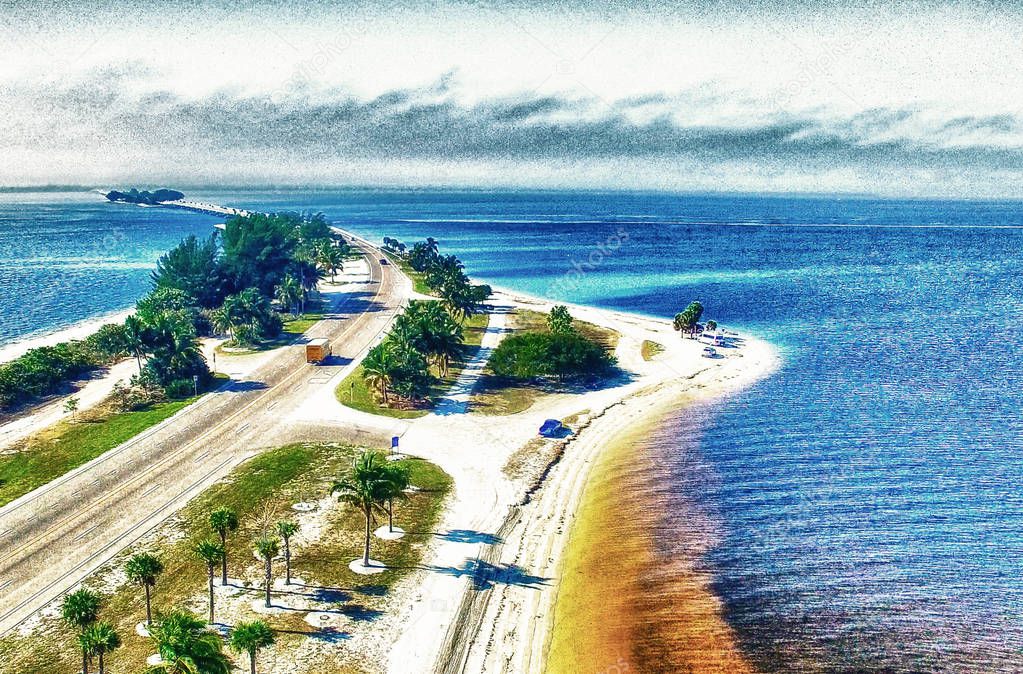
(133, 196)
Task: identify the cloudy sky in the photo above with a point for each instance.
(902, 99)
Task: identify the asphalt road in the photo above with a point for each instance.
(54, 537)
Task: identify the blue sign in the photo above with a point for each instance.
(394, 442)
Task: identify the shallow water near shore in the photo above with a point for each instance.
(860, 509)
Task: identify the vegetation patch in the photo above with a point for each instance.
(357, 392)
(546, 353)
(418, 278)
(70, 443)
(651, 349)
(257, 495)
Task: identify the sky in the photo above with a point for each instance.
(900, 99)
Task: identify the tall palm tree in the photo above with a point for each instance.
(135, 338)
(249, 637)
(286, 529)
(220, 320)
(99, 639)
(399, 479)
(211, 554)
(267, 548)
(288, 293)
(331, 258)
(80, 610)
(309, 275)
(143, 569)
(222, 521)
(366, 488)
(186, 646)
(377, 367)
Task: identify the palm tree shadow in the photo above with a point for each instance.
(242, 386)
(371, 590)
(485, 575)
(361, 613)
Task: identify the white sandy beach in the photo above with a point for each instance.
(489, 538)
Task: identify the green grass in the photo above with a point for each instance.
(297, 326)
(651, 349)
(260, 490)
(497, 396)
(418, 279)
(69, 444)
(353, 391)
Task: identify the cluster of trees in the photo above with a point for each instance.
(133, 196)
(48, 369)
(687, 321)
(186, 643)
(444, 274)
(560, 353)
(261, 257)
(201, 286)
(424, 335)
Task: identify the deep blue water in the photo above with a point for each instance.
(867, 496)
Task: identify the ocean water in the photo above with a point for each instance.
(865, 500)
(65, 258)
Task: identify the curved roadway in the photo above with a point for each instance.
(55, 536)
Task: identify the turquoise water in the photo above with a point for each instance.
(65, 258)
(865, 499)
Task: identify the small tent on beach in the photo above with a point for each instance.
(551, 428)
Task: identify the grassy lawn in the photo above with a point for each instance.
(418, 280)
(651, 349)
(497, 396)
(261, 491)
(354, 393)
(69, 444)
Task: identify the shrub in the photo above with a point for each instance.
(134, 397)
(536, 355)
(179, 388)
(109, 343)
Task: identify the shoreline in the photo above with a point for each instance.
(73, 332)
(511, 627)
(601, 615)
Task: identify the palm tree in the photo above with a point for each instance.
(220, 320)
(80, 610)
(331, 258)
(223, 520)
(365, 487)
(377, 367)
(143, 569)
(286, 529)
(289, 292)
(267, 548)
(398, 480)
(99, 639)
(135, 338)
(249, 637)
(309, 275)
(210, 553)
(186, 646)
